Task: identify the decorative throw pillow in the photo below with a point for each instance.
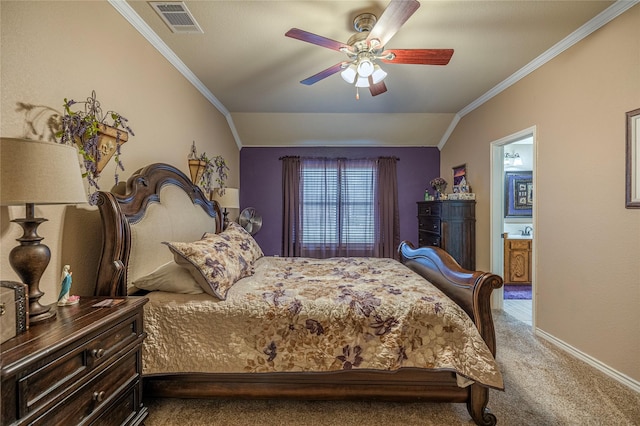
(242, 241)
(169, 277)
(214, 261)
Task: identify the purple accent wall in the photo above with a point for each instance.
(261, 184)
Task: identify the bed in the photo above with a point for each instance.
(275, 327)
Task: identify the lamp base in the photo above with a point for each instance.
(45, 316)
(225, 219)
(29, 260)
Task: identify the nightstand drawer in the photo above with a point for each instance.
(125, 410)
(48, 383)
(51, 372)
(101, 391)
(112, 341)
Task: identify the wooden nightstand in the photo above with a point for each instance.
(82, 368)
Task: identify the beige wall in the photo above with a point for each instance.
(56, 50)
(588, 244)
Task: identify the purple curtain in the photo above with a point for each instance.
(388, 217)
(291, 242)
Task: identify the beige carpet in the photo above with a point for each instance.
(544, 386)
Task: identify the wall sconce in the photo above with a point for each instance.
(512, 159)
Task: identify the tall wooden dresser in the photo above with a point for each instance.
(83, 367)
(450, 225)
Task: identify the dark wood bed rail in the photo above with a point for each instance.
(118, 210)
(469, 289)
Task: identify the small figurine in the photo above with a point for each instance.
(64, 299)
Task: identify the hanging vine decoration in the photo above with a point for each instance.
(85, 128)
(215, 166)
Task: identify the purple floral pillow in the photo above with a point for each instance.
(242, 241)
(217, 261)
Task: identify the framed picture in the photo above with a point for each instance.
(459, 174)
(518, 192)
(460, 183)
(633, 160)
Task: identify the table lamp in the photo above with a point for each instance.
(37, 172)
(230, 199)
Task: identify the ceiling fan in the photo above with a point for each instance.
(367, 46)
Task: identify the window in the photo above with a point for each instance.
(337, 206)
(340, 207)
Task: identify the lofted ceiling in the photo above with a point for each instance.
(248, 68)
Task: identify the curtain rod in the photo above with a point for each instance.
(337, 158)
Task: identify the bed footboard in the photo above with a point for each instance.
(472, 291)
(469, 289)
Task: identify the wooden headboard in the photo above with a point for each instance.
(137, 221)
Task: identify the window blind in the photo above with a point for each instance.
(337, 198)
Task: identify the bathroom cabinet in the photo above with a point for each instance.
(517, 260)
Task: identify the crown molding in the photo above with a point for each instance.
(138, 23)
(604, 17)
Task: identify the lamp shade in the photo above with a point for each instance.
(39, 172)
(229, 200)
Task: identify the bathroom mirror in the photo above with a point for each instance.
(518, 190)
(633, 159)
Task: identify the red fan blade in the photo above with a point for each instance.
(315, 39)
(396, 14)
(419, 56)
(377, 89)
(323, 74)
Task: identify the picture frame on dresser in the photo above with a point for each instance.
(632, 189)
(518, 193)
(459, 174)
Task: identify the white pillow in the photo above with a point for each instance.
(171, 278)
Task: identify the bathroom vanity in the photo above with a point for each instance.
(517, 259)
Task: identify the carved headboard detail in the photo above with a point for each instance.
(136, 222)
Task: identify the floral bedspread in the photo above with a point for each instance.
(300, 314)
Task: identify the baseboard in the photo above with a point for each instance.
(598, 365)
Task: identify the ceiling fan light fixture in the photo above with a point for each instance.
(349, 74)
(362, 81)
(365, 67)
(378, 74)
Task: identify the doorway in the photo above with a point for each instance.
(513, 155)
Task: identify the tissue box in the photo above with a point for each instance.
(14, 315)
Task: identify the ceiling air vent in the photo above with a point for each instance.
(177, 17)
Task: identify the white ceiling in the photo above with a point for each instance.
(251, 71)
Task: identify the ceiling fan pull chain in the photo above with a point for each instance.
(357, 94)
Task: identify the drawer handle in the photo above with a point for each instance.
(97, 353)
(427, 212)
(98, 396)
